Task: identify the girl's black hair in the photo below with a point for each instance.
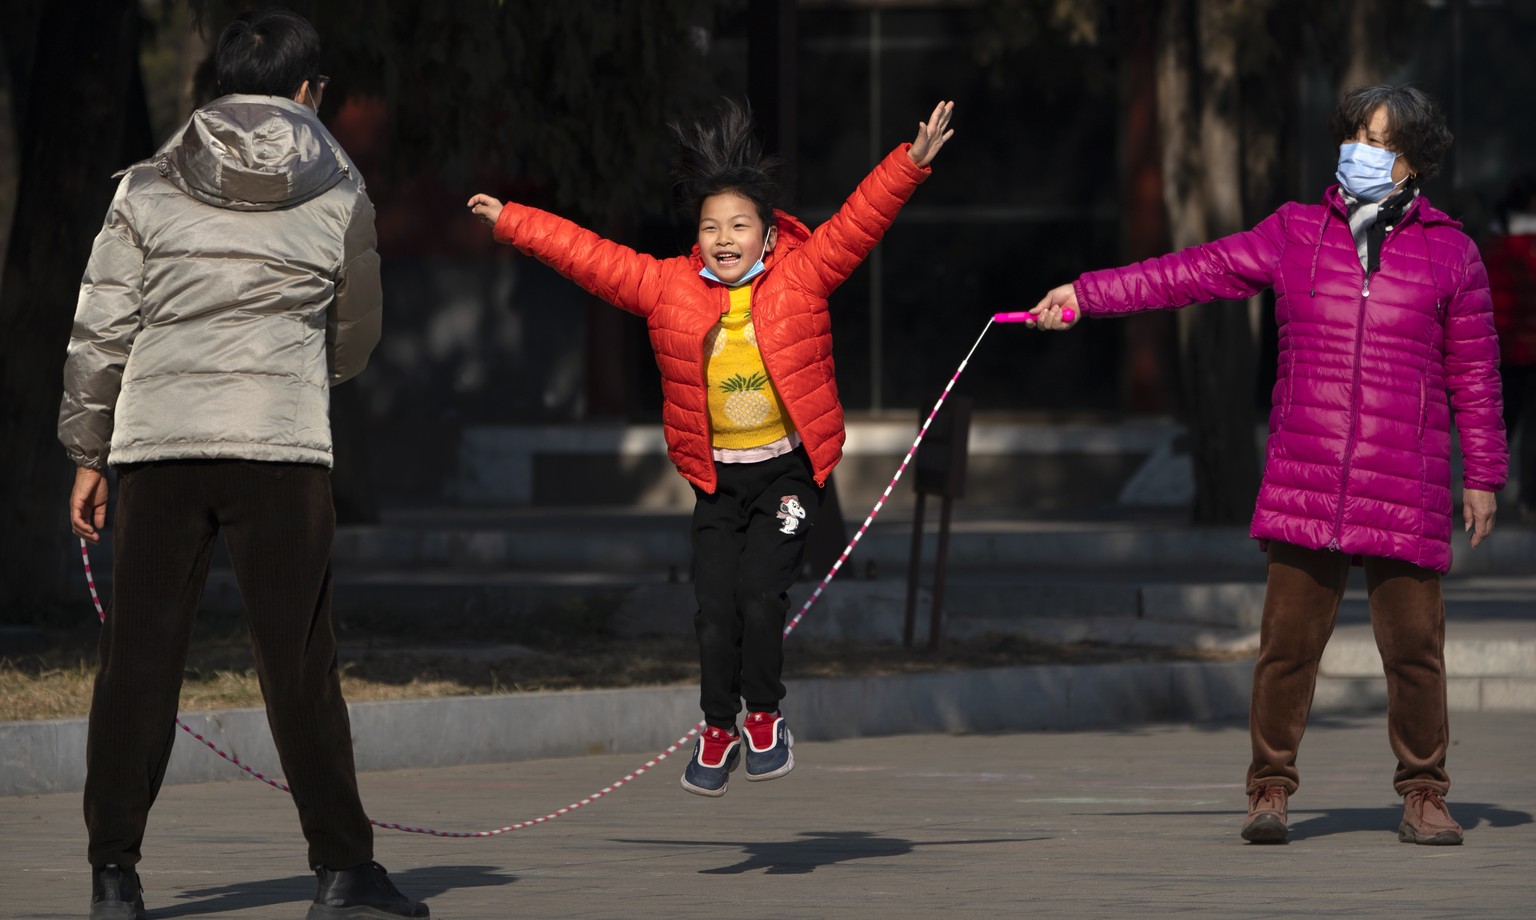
(720, 153)
(1415, 125)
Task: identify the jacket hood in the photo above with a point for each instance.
(253, 153)
(1420, 208)
(792, 235)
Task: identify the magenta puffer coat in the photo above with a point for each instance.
(1370, 371)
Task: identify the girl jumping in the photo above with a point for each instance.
(751, 415)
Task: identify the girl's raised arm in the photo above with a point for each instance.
(837, 247)
(625, 278)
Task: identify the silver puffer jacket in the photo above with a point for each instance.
(234, 281)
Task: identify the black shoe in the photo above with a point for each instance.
(115, 894)
(361, 892)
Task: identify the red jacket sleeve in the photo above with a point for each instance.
(625, 278)
(837, 247)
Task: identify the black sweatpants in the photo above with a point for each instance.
(748, 540)
(278, 522)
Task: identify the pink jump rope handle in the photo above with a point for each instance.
(1024, 316)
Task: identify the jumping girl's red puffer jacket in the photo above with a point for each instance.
(680, 307)
(1359, 448)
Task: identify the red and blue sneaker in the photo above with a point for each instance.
(768, 746)
(714, 757)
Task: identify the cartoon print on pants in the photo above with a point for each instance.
(791, 512)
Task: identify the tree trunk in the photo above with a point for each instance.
(1200, 111)
(1367, 56)
(1147, 383)
(83, 97)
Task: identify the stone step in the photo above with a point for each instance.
(1473, 648)
(1128, 595)
(1129, 603)
(1122, 603)
(876, 611)
(1462, 694)
(1490, 646)
(649, 546)
(652, 544)
(1490, 666)
(613, 540)
(1151, 596)
(1026, 463)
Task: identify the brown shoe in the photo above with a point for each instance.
(1426, 820)
(1266, 816)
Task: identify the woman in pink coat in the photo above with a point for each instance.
(1386, 335)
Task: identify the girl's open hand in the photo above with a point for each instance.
(486, 208)
(932, 134)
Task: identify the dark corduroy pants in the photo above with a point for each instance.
(1408, 618)
(278, 523)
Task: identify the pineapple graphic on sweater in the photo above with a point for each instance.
(744, 409)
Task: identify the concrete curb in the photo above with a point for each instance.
(49, 756)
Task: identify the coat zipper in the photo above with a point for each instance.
(1354, 419)
(709, 426)
(1354, 397)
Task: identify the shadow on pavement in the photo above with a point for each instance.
(820, 848)
(421, 884)
(1307, 823)
(1471, 815)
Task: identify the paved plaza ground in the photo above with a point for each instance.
(1136, 822)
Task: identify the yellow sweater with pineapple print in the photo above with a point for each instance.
(744, 409)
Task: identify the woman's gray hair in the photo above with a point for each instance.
(1415, 125)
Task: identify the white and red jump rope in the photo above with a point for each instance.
(1015, 317)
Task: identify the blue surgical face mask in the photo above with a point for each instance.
(1366, 171)
(756, 269)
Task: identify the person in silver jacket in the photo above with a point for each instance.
(234, 282)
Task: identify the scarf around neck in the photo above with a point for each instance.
(1370, 221)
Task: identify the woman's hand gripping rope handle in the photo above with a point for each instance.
(1018, 317)
(1068, 316)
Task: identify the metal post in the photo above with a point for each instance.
(936, 616)
(914, 563)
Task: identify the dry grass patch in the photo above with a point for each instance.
(569, 647)
(221, 675)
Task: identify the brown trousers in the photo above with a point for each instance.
(278, 523)
(1408, 618)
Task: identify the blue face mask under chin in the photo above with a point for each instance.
(1365, 171)
(757, 269)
